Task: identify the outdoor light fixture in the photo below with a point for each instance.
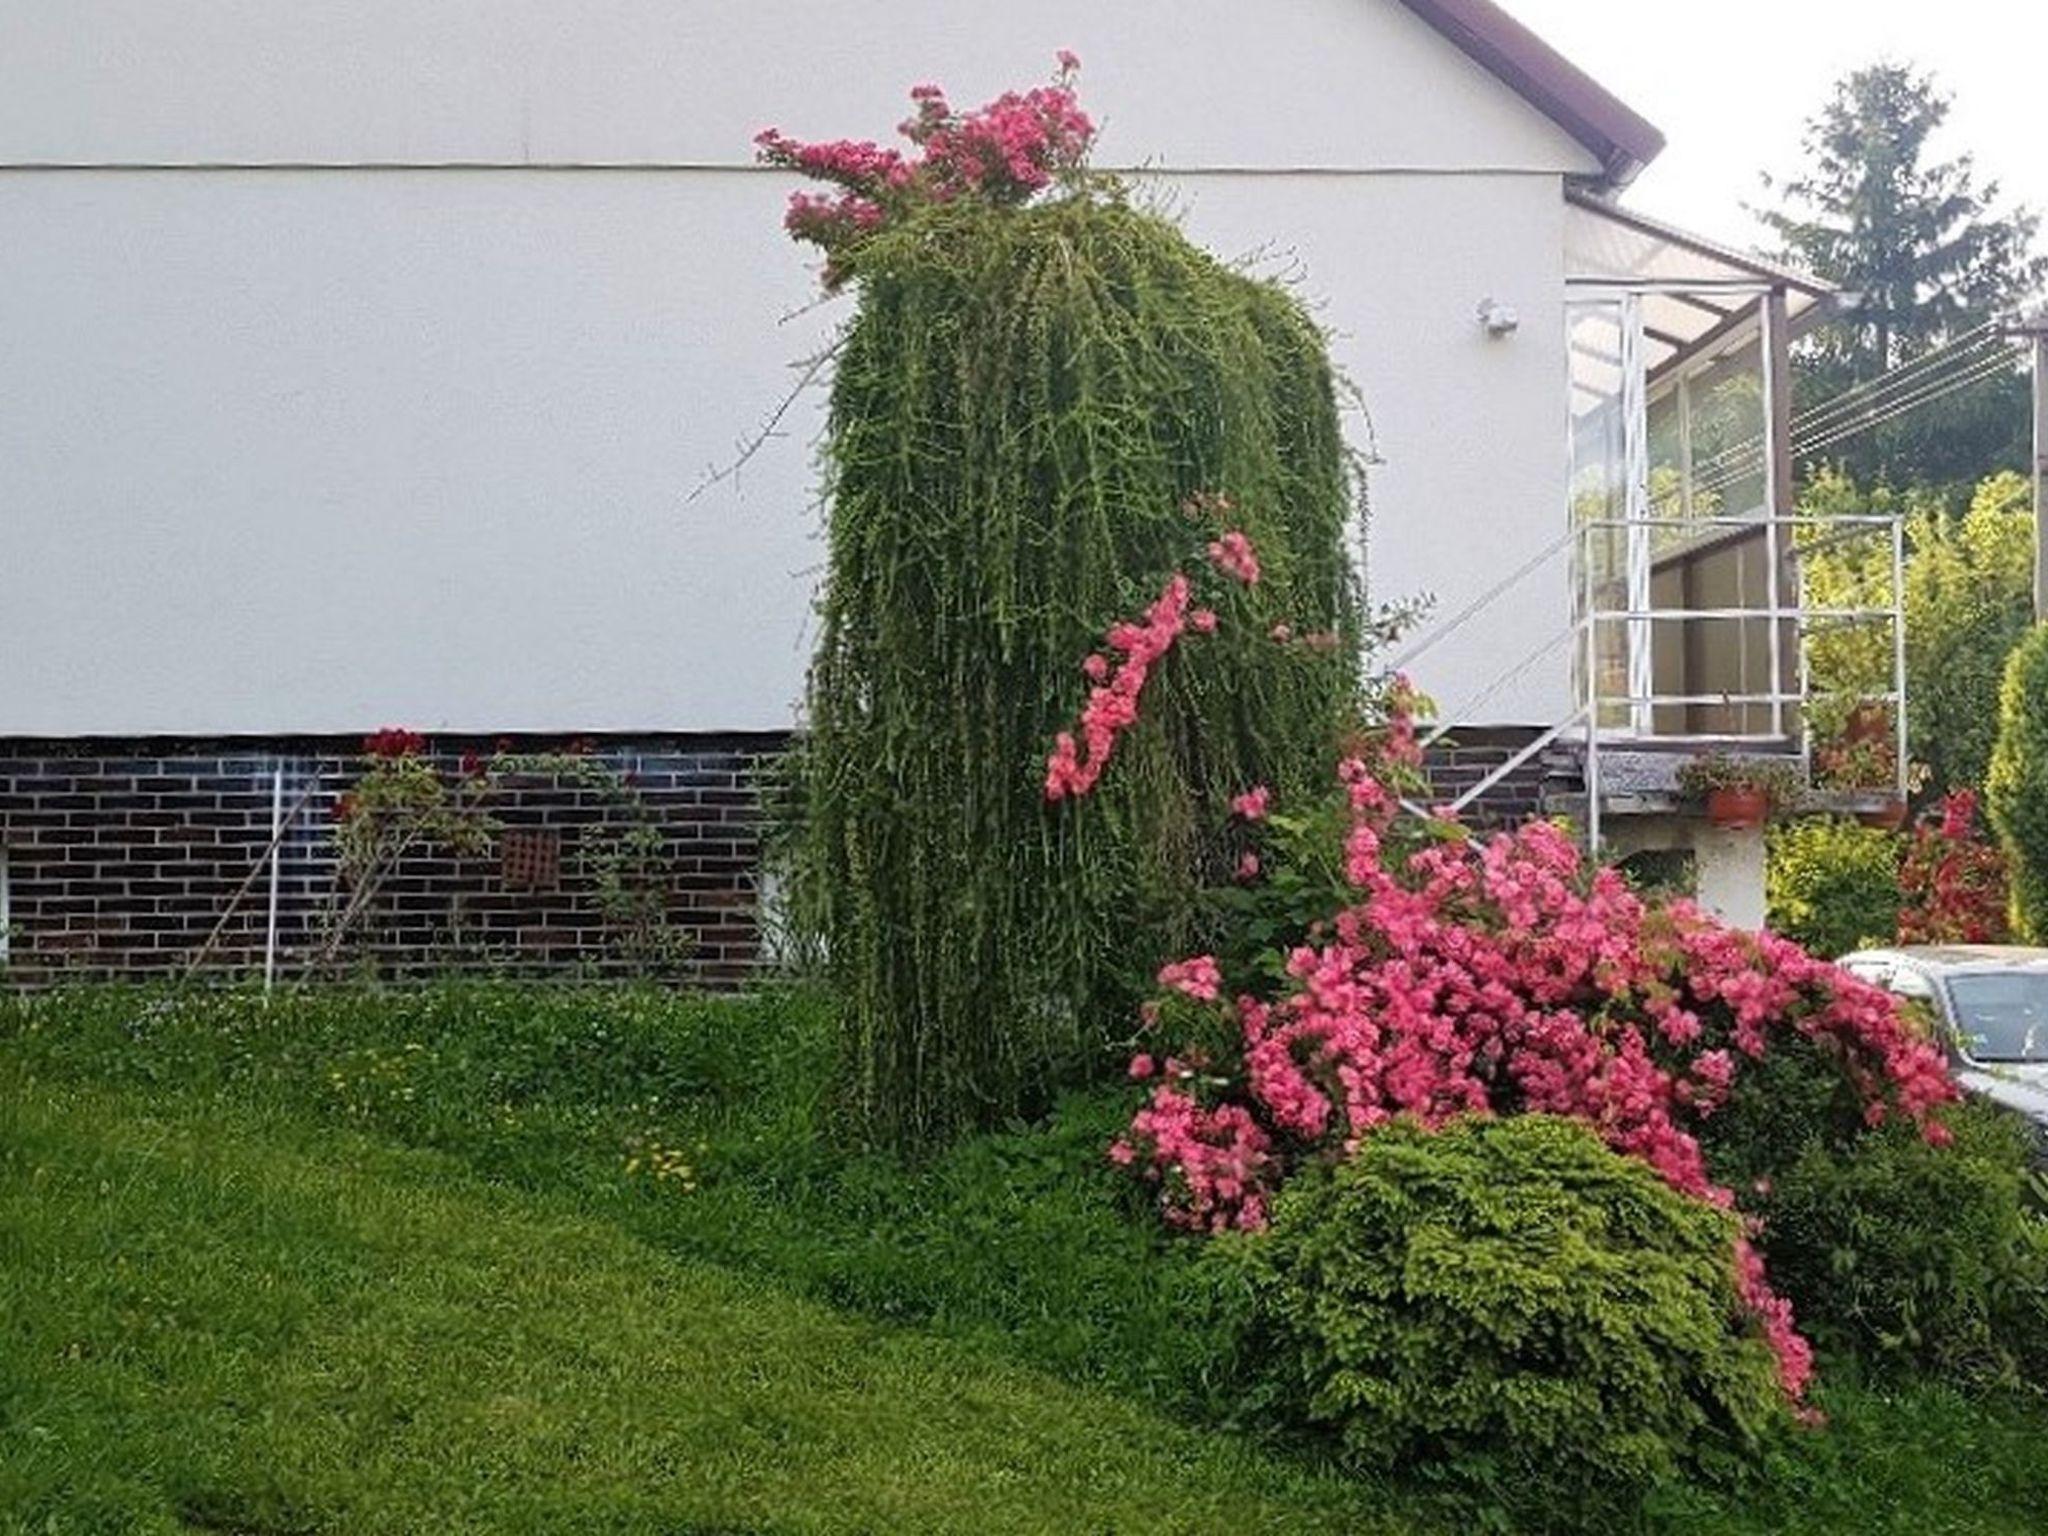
(1498, 318)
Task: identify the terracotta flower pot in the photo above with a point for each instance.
(1737, 807)
(1890, 818)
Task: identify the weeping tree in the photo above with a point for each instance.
(1034, 407)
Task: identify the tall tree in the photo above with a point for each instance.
(1926, 247)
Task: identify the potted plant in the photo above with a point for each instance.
(1738, 793)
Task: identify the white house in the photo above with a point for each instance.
(361, 362)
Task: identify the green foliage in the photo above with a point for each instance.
(2016, 790)
(1968, 600)
(285, 1305)
(1511, 1308)
(1930, 253)
(1022, 404)
(1833, 885)
(1795, 1096)
(1778, 781)
(1919, 1256)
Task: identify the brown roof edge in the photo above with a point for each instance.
(1622, 138)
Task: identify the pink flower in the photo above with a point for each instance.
(1501, 975)
(1142, 1066)
(1198, 978)
(1203, 620)
(1247, 866)
(1253, 804)
(1002, 152)
(1076, 764)
(1233, 555)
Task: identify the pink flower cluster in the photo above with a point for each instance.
(1219, 1158)
(1200, 978)
(1112, 705)
(1500, 977)
(1076, 763)
(1003, 152)
(1234, 556)
(1253, 804)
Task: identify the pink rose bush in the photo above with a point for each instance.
(1449, 975)
(1003, 152)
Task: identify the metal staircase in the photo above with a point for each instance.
(1614, 753)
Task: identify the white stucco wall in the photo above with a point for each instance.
(401, 426)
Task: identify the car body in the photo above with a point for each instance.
(1990, 1003)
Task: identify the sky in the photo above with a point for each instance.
(1731, 84)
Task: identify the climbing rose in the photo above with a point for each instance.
(1234, 556)
(1112, 706)
(1003, 153)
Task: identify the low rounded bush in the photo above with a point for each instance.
(1509, 1308)
(1917, 1256)
(1833, 885)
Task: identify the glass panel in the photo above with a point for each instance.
(1707, 443)
(1599, 493)
(1708, 458)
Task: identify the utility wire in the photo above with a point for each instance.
(1926, 390)
(1952, 358)
(1988, 369)
(1854, 396)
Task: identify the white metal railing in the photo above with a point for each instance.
(1641, 700)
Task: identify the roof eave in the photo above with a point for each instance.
(1618, 137)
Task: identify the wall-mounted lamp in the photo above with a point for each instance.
(1498, 318)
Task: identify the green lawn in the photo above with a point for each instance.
(399, 1264)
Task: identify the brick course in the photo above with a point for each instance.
(122, 856)
(1462, 760)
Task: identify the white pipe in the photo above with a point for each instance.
(276, 841)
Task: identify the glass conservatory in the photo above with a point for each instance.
(1681, 481)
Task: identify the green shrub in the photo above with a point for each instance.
(1507, 1307)
(1969, 601)
(1023, 404)
(1917, 1256)
(1833, 885)
(2016, 794)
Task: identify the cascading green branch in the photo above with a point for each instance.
(1022, 403)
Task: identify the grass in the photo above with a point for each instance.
(483, 1259)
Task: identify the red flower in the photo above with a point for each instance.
(394, 741)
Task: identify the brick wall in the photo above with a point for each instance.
(1463, 760)
(122, 858)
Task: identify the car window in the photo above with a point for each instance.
(2002, 1016)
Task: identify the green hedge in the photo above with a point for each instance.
(2016, 793)
(1833, 885)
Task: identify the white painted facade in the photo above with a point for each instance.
(360, 358)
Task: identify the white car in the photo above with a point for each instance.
(1991, 1004)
